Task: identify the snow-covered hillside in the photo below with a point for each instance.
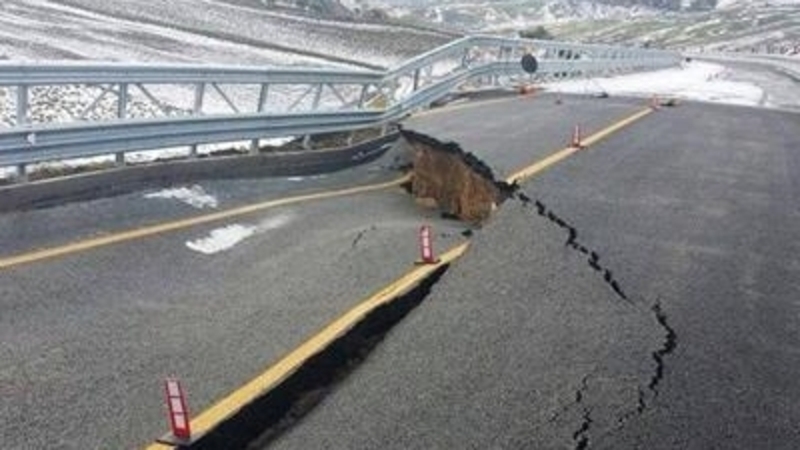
(207, 31)
(742, 25)
(749, 28)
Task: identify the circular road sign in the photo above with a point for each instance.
(529, 63)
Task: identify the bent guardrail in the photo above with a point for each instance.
(120, 108)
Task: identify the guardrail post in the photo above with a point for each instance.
(122, 111)
(22, 173)
(199, 93)
(22, 104)
(122, 100)
(465, 58)
(362, 98)
(263, 96)
(317, 97)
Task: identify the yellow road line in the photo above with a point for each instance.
(289, 364)
(529, 171)
(138, 233)
(600, 135)
(160, 446)
(537, 167)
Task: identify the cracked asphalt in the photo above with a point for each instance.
(525, 344)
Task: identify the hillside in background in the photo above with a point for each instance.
(767, 26)
(262, 32)
(372, 33)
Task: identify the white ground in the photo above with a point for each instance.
(700, 81)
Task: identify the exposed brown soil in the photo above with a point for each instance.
(448, 178)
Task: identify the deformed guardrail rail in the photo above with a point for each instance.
(56, 111)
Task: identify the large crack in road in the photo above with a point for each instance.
(449, 175)
(581, 436)
(464, 187)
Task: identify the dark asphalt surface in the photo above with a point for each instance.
(22, 231)
(86, 339)
(523, 345)
(512, 133)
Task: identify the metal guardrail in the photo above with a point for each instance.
(127, 107)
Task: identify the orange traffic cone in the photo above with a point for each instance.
(655, 103)
(527, 89)
(576, 138)
(426, 246)
(178, 412)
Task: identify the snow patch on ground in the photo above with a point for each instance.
(225, 238)
(194, 196)
(699, 81)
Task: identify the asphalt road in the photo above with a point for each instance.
(512, 133)
(523, 344)
(86, 339)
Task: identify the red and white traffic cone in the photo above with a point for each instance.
(577, 142)
(426, 246)
(178, 412)
(655, 103)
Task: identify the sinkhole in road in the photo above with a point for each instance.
(446, 177)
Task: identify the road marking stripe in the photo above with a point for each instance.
(289, 364)
(138, 233)
(529, 171)
(600, 135)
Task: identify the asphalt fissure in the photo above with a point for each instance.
(593, 258)
(581, 435)
(265, 419)
(580, 395)
(669, 346)
(645, 394)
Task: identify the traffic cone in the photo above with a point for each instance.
(655, 103)
(527, 89)
(178, 412)
(426, 246)
(576, 138)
